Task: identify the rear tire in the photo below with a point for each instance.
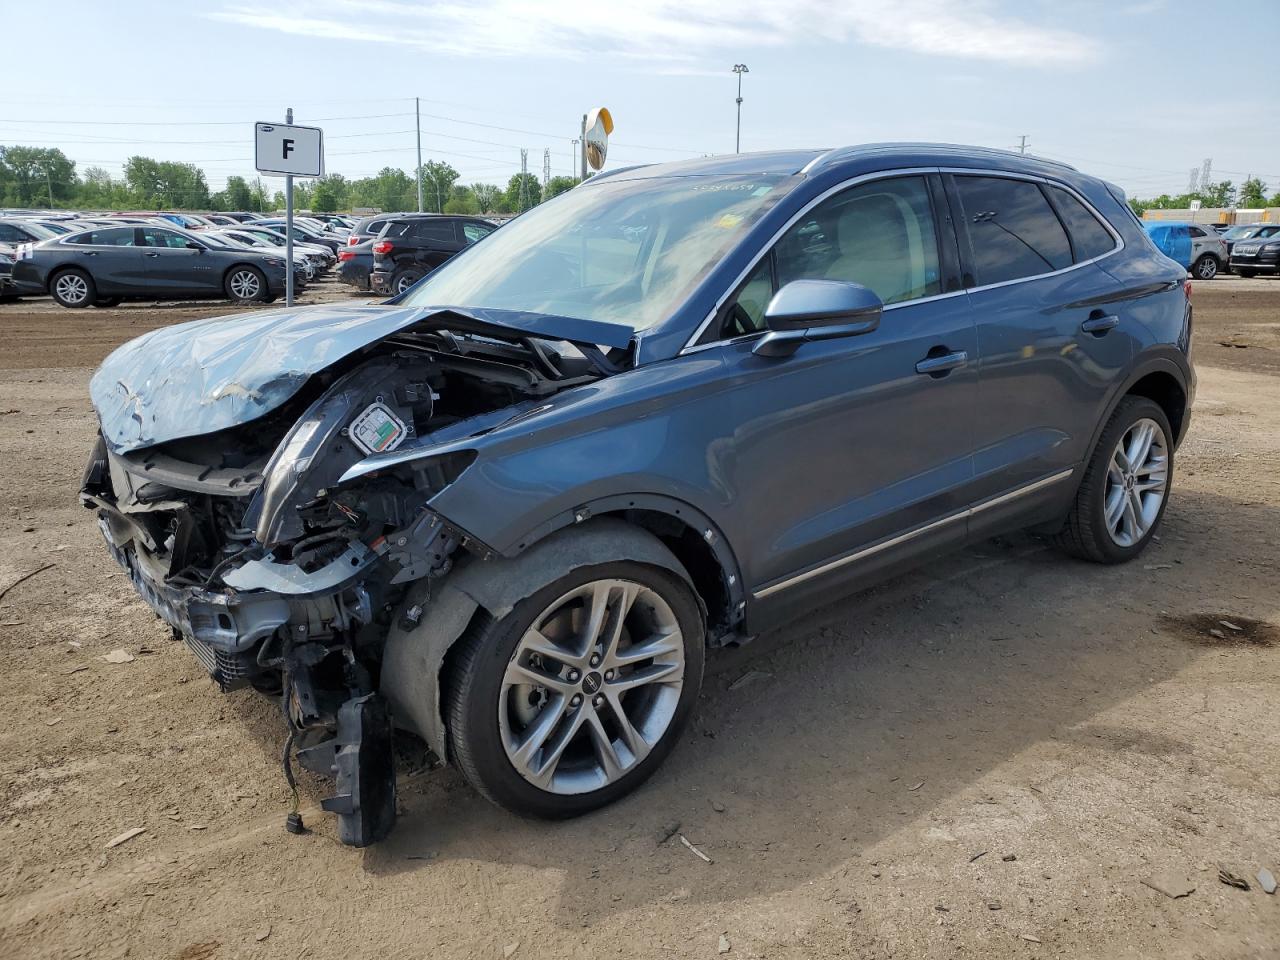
(72, 288)
(584, 757)
(402, 280)
(1116, 510)
(107, 302)
(1206, 268)
(246, 285)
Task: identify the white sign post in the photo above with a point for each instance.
(283, 150)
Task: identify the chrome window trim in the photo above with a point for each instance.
(691, 344)
(882, 545)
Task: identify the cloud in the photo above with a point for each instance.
(670, 35)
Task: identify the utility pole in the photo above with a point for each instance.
(582, 149)
(1022, 144)
(524, 180)
(418, 124)
(288, 229)
(49, 181)
(546, 168)
(739, 69)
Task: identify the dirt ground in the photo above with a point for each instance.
(986, 758)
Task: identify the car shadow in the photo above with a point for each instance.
(813, 743)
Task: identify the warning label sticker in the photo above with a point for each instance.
(377, 429)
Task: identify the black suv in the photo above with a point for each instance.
(411, 248)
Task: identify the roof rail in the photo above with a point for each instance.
(847, 153)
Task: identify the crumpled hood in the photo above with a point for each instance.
(208, 375)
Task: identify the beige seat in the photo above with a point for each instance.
(876, 247)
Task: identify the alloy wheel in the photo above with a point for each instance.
(593, 685)
(1137, 482)
(405, 282)
(72, 288)
(245, 285)
(1208, 269)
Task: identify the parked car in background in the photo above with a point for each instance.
(302, 234)
(7, 290)
(322, 256)
(1249, 231)
(370, 227)
(1198, 248)
(675, 407)
(356, 263)
(408, 250)
(1257, 253)
(14, 231)
(100, 267)
(304, 270)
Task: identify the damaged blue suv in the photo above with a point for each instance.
(511, 509)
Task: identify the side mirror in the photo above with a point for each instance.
(192, 245)
(807, 310)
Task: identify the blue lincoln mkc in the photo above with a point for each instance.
(510, 509)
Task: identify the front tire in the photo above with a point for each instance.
(246, 285)
(1206, 268)
(73, 289)
(576, 696)
(1126, 486)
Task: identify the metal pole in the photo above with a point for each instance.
(582, 148)
(288, 228)
(418, 124)
(737, 139)
(49, 181)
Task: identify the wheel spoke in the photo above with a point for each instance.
(554, 750)
(597, 613)
(632, 737)
(659, 645)
(641, 676)
(1114, 507)
(534, 641)
(605, 752)
(1139, 445)
(617, 618)
(529, 674)
(537, 732)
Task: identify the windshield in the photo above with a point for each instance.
(627, 251)
(1240, 233)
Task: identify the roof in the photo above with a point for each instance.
(812, 161)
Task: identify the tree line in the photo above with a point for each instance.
(46, 177)
(1251, 194)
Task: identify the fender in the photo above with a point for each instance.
(436, 612)
(1161, 359)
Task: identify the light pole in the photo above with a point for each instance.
(739, 69)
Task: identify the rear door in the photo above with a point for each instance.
(106, 254)
(435, 240)
(1053, 335)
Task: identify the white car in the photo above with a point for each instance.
(1208, 251)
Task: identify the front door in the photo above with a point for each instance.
(852, 453)
(168, 264)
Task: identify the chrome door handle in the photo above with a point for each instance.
(88, 253)
(153, 254)
(1100, 325)
(935, 366)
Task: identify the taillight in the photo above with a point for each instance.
(382, 246)
(1186, 287)
(346, 254)
(352, 240)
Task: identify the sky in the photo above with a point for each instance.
(1133, 91)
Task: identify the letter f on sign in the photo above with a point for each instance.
(287, 148)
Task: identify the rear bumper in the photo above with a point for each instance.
(355, 273)
(380, 281)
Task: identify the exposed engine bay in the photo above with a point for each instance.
(283, 573)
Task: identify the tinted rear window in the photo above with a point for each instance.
(1089, 238)
(1013, 231)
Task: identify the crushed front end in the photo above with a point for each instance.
(280, 576)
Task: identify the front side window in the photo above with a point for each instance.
(1196, 231)
(879, 234)
(1013, 232)
(159, 237)
(475, 231)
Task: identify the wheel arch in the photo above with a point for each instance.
(1159, 378)
(436, 613)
